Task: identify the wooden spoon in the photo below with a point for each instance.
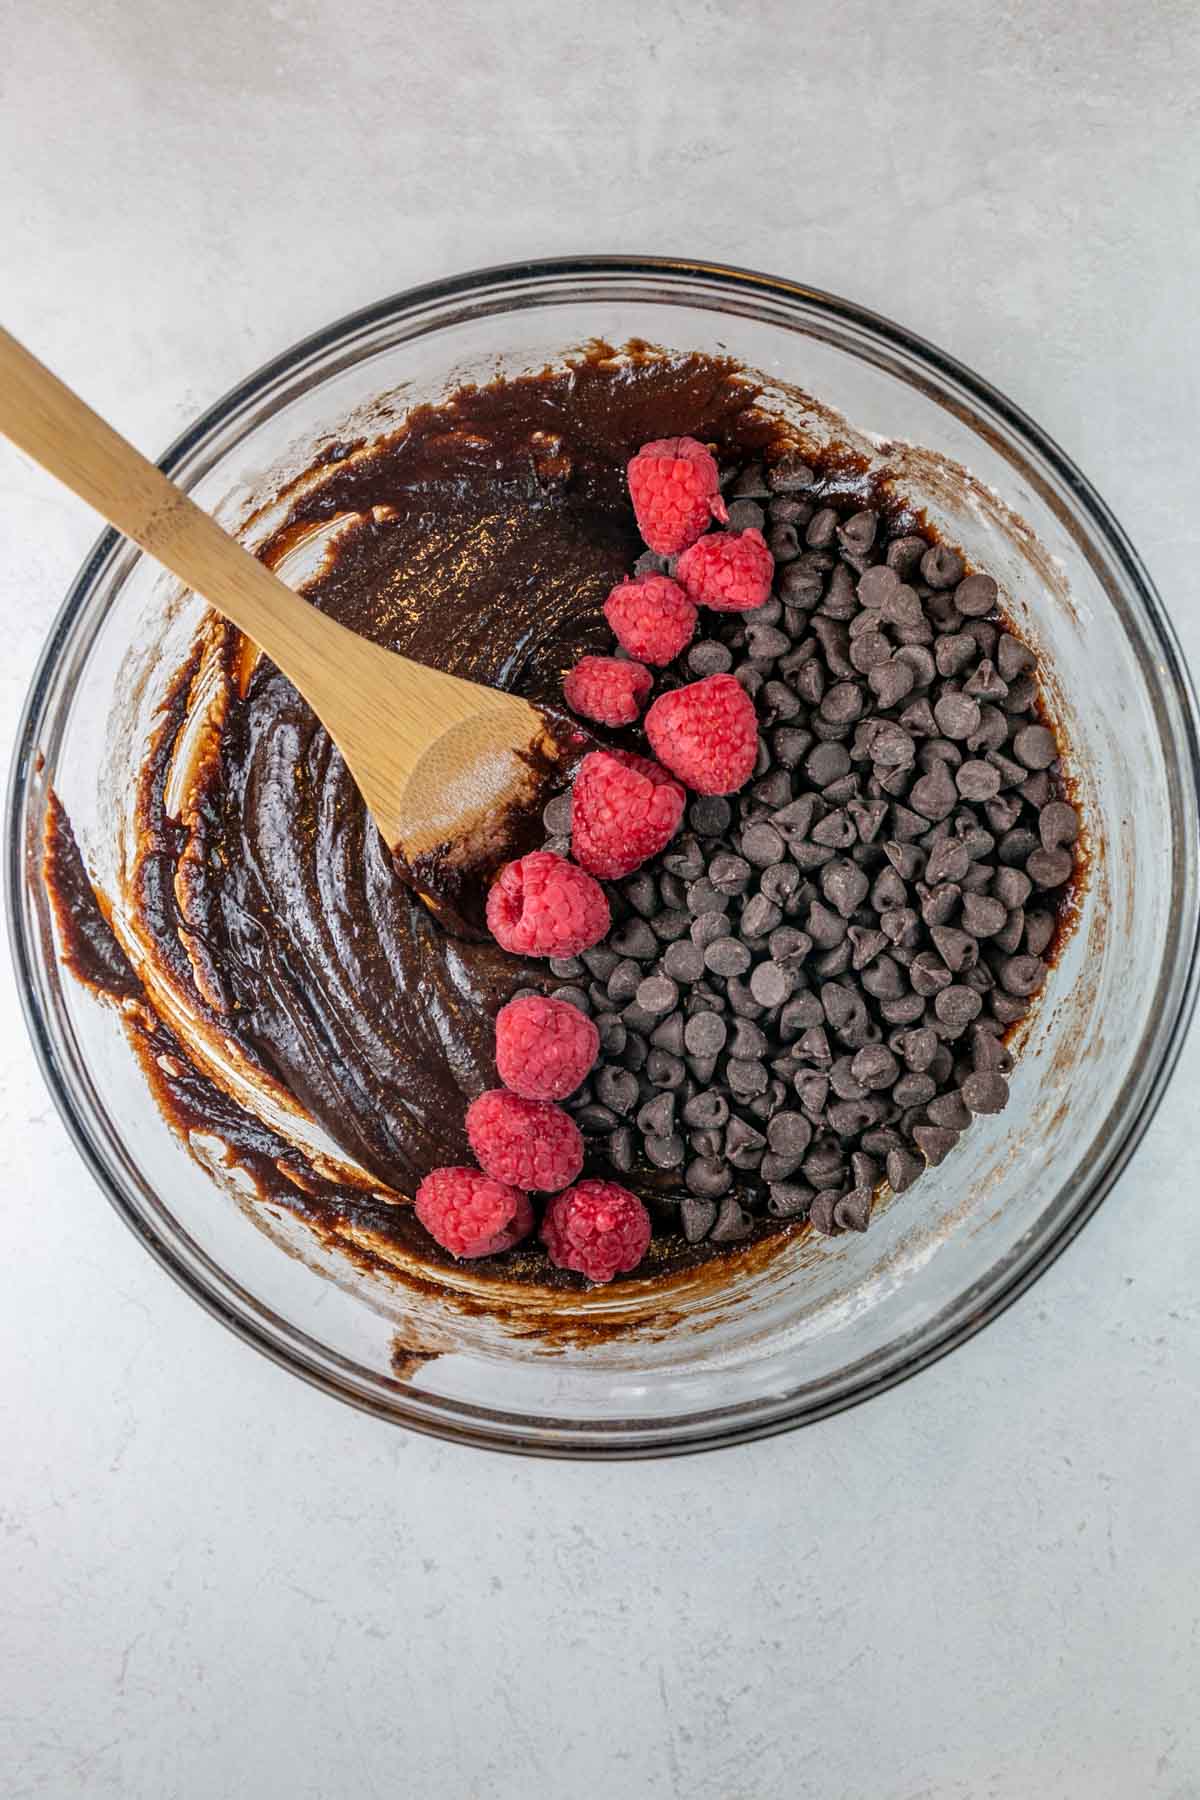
(454, 773)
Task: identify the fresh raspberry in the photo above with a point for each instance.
(706, 733)
(527, 1143)
(597, 1228)
(469, 1214)
(731, 571)
(607, 689)
(542, 905)
(673, 486)
(624, 809)
(544, 1047)
(651, 617)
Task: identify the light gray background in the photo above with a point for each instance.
(217, 1583)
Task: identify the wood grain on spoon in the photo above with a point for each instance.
(451, 770)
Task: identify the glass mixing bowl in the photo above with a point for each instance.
(784, 1338)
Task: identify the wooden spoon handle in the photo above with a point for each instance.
(54, 426)
(433, 754)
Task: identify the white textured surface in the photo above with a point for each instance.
(218, 1583)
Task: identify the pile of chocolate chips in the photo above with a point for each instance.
(809, 989)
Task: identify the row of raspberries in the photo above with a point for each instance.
(625, 808)
(524, 1142)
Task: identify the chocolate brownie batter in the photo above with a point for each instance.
(481, 538)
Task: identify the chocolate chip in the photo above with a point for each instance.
(821, 1211)
(684, 857)
(762, 845)
(706, 1111)
(657, 994)
(892, 682)
(977, 781)
(733, 1223)
(849, 1118)
(1008, 1008)
(789, 473)
(845, 886)
(1020, 975)
(707, 927)
(941, 903)
(875, 1066)
(744, 1145)
(664, 1152)
(613, 1034)
(727, 956)
(788, 1199)
(985, 1091)
(741, 1000)
(746, 1078)
(901, 925)
(957, 949)
(870, 650)
(957, 716)
(822, 528)
(953, 654)
(1013, 658)
(934, 796)
(745, 515)
(948, 1111)
(657, 1117)
(1058, 825)
(760, 914)
(941, 567)
(928, 974)
(668, 1034)
(683, 962)
(825, 928)
(835, 831)
(624, 981)
(903, 1169)
(982, 916)
(600, 961)
(664, 1070)
(729, 873)
(697, 1218)
(641, 891)
(1050, 868)
(593, 1117)
(771, 984)
(710, 815)
(852, 1212)
(650, 563)
(705, 1034)
(616, 1088)
(556, 816)
(813, 1046)
(634, 939)
(703, 897)
(904, 555)
(707, 1177)
(1039, 930)
(935, 1141)
(1034, 746)
(914, 1090)
(976, 596)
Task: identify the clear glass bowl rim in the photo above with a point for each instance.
(498, 288)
